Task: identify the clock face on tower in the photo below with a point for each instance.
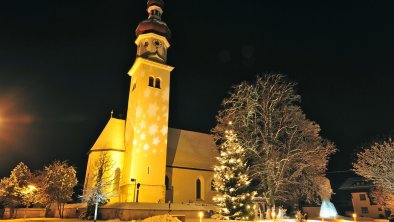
(157, 43)
(152, 48)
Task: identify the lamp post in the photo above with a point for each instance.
(200, 215)
(28, 192)
(135, 184)
(354, 217)
(273, 214)
(138, 191)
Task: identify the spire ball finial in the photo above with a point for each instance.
(159, 3)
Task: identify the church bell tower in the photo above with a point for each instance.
(143, 177)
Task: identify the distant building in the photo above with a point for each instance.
(363, 205)
(153, 163)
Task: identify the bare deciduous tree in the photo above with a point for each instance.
(104, 185)
(14, 190)
(286, 154)
(382, 197)
(376, 163)
(58, 181)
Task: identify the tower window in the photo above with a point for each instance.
(151, 80)
(198, 189)
(154, 82)
(157, 83)
(155, 12)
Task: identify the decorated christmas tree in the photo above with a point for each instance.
(232, 182)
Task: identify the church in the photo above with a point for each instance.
(151, 162)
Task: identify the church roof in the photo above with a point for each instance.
(185, 149)
(112, 136)
(190, 149)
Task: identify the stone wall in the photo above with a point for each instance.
(24, 213)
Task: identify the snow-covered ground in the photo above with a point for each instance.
(187, 220)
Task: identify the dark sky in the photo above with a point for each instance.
(63, 67)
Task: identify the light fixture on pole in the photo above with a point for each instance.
(273, 215)
(135, 184)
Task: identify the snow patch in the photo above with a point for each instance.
(162, 218)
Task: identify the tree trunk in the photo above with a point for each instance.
(95, 211)
(60, 207)
(58, 210)
(13, 212)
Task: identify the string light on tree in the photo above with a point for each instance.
(231, 180)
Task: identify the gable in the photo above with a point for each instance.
(190, 149)
(112, 136)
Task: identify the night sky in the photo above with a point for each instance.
(63, 68)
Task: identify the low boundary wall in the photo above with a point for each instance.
(122, 211)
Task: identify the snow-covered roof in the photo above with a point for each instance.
(190, 149)
(112, 136)
(356, 183)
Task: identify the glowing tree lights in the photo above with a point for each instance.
(232, 182)
(14, 189)
(285, 153)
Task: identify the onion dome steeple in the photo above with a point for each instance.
(154, 24)
(153, 34)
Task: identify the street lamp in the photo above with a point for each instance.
(138, 191)
(354, 217)
(200, 215)
(31, 188)
(135, 184)
(273, 214)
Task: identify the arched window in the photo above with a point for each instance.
(198, 189)
(151, 80)
(157, 83)
(167, 182)
(212, 185)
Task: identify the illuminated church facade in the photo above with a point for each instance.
(152, 162)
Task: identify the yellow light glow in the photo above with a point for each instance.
(200, 214)
(273, 214)
(29, 189)
(32, 187)
(13, 121)
(354, 215)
